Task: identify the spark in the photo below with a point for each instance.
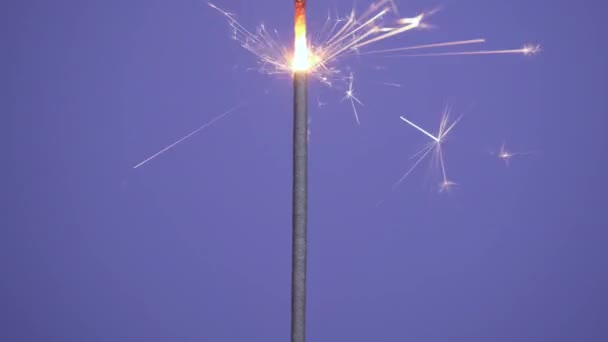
(507, 155)
(436, 139)
(301, 55)
(207, 124)
(350, 95)
(407, 24)
(526, 50)
(391, 84)
(341, 37)
(435, 147)
(531, 49)
(320, 103)
(427, 46)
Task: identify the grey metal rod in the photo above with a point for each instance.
(300, 208)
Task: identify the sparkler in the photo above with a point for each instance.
(300, 67)
(341, 37)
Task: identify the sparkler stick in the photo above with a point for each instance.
(300, 169)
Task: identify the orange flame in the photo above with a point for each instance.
(301, 57)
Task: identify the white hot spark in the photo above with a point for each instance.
(434, 147)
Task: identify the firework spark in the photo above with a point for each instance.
(187, 136)
(526, 50)
(427, 46)
(434, 147)
(505, 155)
(349, 95)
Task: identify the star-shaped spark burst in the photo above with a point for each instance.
(434, 147)
(506, 155)
(349, 95)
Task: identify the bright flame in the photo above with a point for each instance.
(301, 56)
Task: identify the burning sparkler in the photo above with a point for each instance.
(349, 95)
(301, 65)
(340, 38)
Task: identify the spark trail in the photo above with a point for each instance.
(187, 136)
(526, 50)
(427, 46)
(341, 37)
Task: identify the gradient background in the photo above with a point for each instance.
(195, 246)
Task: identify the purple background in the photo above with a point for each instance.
(195, 246)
